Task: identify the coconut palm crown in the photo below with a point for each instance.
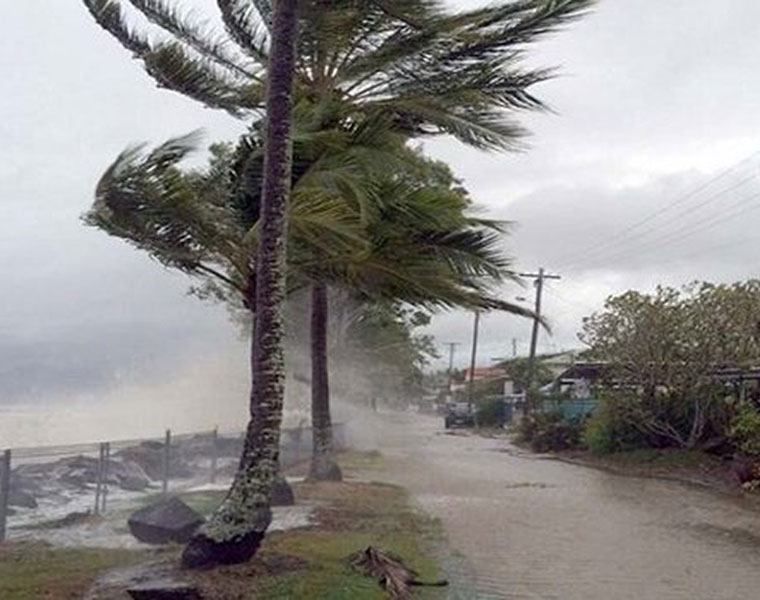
(429, 70)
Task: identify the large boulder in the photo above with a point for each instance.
(128, 475)
(282, 493)
(79, 473)
(743, 469)
(150, 457)
(21, 499)
(168, 520)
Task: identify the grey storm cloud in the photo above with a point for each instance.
(651, 100)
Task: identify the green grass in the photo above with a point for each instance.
(31, 571)
(354, 516)
(308, 563)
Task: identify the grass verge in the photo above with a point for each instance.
(688, 466)
(307, 563)
(310, 563)
(32, 570)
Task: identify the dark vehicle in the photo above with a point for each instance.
(459, 414)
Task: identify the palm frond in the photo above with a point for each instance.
(249, 33)
(174, 67)
(204, 41)
(146, 200)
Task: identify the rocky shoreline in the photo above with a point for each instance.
(52, 489)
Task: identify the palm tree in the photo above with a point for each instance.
(382, 236)
(235, 530)
(420, 68)
(423, 249)
(430, 71)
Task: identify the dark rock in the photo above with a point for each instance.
(203, 552)
(22, 499)
(134, 484)
(128, 475)
(282, 493)
(325, 469)
(743, 469)
(30, 485)
(71, 519)
(164, 590)
(150, 457)
(169, 520)
(78, 472)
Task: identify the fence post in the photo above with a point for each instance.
(106, 458)
(5, 492)
(99, 479)
(214, 438)
(165, 463)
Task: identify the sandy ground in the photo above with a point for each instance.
(535, 528)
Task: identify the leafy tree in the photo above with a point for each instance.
(517, 370)
(667, 351)
(380, 342)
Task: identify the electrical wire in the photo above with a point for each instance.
(679, 201)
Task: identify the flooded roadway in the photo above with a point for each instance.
(535, 528)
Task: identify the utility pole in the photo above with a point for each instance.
(514, 347)
(452, 346)
(539, 283)
(472, 359)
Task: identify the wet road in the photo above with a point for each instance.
(538, 528)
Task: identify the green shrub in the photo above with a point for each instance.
(490, 412)
(611, 428)
(547, 432)
(745, 431)
(599, 436)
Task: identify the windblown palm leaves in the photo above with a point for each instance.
(399, 233)
(427, 70)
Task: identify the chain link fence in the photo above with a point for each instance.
(51, 484)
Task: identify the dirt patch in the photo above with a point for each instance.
(239, 582)
(356, 506)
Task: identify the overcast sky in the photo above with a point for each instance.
(654, 100)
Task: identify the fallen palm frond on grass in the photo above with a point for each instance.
(393, 575)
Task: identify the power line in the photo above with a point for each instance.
(571, 303)
(705, 224)
(614, 239)
(600, 252)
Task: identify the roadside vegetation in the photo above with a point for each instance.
(308, 562)
(680, 382)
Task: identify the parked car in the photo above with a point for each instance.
(459, 414)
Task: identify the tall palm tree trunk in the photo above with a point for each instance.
(233, 533)
(323, 468)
